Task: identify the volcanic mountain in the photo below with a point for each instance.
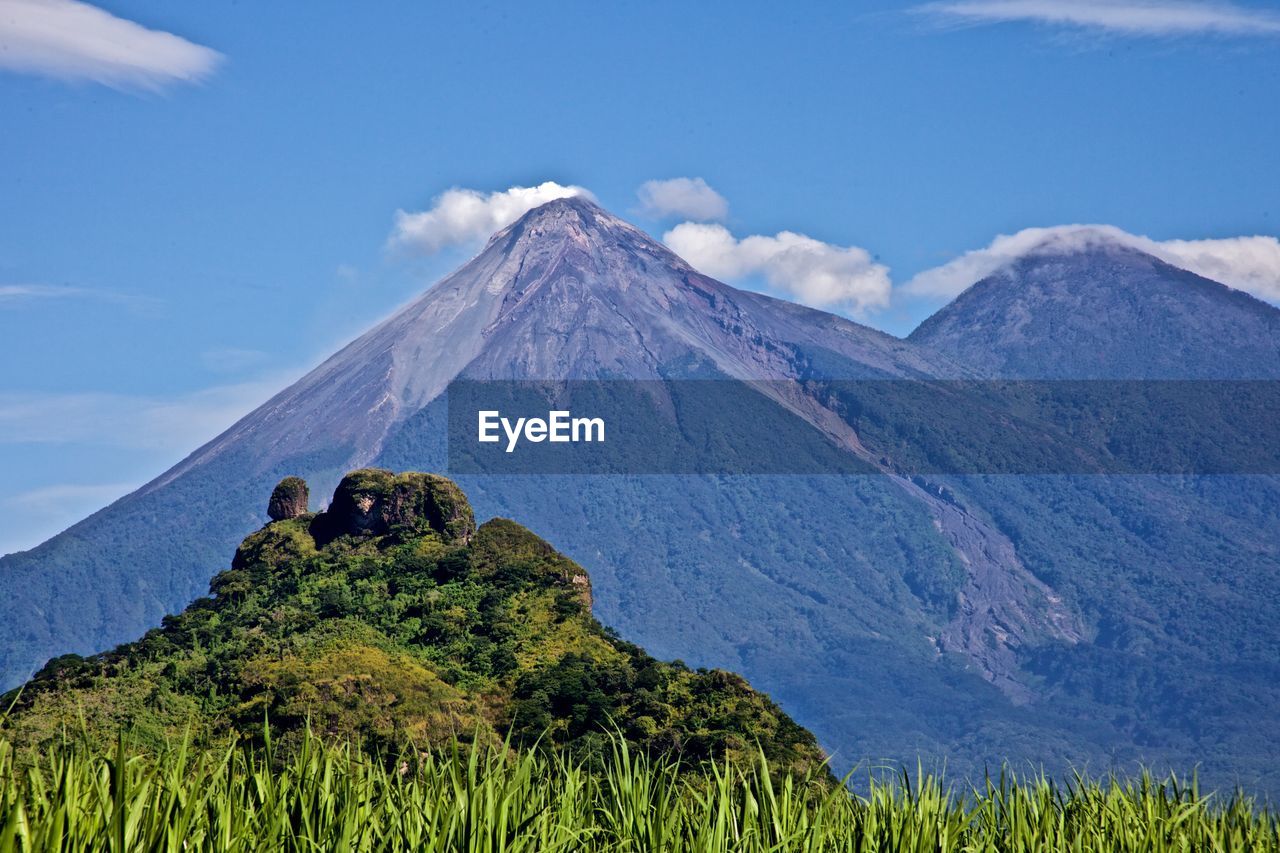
(1063, 620)
(566, 292)
(1105, 310)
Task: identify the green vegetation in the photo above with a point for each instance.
(390, 618)
(482, 797)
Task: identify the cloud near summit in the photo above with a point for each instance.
(1251, 264)
(800, 268)
(827, 276)
(794, 266)
(460, 216)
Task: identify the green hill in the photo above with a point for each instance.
(391, 618)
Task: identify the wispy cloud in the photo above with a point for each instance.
(1122, 17)
(460, 216)
(15, 295)
(689, 198)
(134, 436)
(1251, 264)
(162, 424)
(796, 267)
(12, 293)
(77, 41)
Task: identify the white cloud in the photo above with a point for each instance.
(76, 41)
(11, 293)
(801, 268)
(688, 198)
(956, 275)
(1251, 264)
(1124, 17)
(460, 216)
(165, 425)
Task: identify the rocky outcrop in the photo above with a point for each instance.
(289, 499)
(376, 502)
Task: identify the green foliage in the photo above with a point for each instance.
(388, 619)
(331, 795)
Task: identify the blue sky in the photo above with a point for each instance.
(186, 228)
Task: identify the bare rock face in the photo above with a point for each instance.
(376, 502)
(289, 499)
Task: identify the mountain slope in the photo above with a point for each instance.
(1107, 311)
(390, 618)
(1175, 576)
(566, 292)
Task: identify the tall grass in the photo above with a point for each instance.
(479, 798)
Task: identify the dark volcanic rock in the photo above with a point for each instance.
(289, 499)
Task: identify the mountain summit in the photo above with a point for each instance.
(1093, 307)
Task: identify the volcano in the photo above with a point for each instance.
(965, 619)
(1105, 311)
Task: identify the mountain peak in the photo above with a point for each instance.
(1090, 302)
(579, 204)
(567, 291)
(579, 220)
(1076, 239)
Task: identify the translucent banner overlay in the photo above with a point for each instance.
(895, 426)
